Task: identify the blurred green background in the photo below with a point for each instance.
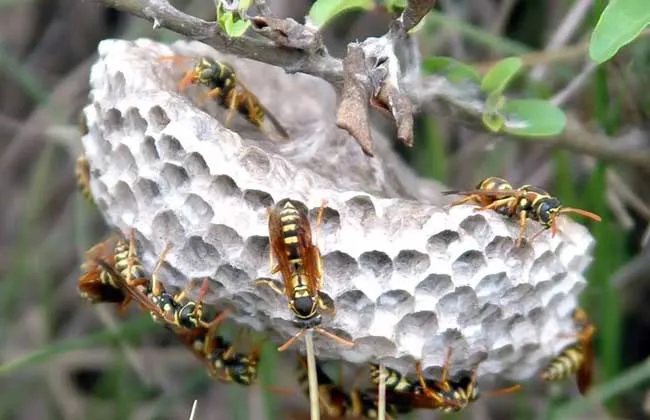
(62, 359)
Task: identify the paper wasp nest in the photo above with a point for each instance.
(409, 276)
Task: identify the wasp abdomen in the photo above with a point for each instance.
(564, 365)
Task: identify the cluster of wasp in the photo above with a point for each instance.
(114, 274)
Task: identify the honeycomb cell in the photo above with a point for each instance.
(158, 118)
(170, 148)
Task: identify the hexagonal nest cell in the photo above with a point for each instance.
(408, 274)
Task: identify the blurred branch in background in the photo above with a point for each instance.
(299, 48)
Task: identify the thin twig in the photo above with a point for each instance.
(314, 405)
(381, 394)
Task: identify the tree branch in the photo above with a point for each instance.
(298, 48)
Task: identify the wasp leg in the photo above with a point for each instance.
(522, 228)
(213, 93)
(271, 284)
(427, 391)
(464, 200)
(445, 371)
(232, 107)
(497, 203)
(330, 310)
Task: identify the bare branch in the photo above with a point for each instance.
(289, 33)
(412, 15)
(352, 114)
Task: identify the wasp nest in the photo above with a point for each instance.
(409, 276)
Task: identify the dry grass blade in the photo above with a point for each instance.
(314, 406)
(193, 411)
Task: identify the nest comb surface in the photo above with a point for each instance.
(409, 276)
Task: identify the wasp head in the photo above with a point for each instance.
(546, 210)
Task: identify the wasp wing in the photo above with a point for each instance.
(487, 193)
(279, 250)
(310, 255)
(267, 114)
(584, 375)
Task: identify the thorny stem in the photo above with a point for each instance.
(314, 405)
(298, 48)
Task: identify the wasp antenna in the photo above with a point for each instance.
(503, 391)
(451, 192)
(291, 340)
(585, 213)
(176, 58)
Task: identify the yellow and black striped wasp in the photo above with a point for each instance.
(82, 175)
(98, 285)
(300, 266)
(526, 202)
(447, 395)
(213, 351)
(229, 92)
(336, 403)
(177, 309)
(576, 358)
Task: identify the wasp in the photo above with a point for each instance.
(300, 266)
(576, 358)
(178, 310)
(82, 174)
(526, 202)
(230, 93)
(216, 354)
(219, 356)
(98, 285)
(446, 394)
(335, 402)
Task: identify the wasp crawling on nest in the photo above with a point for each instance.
(447, 395)
(113, 274)
(526, 202)
(229, 92)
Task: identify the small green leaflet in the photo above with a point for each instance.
(232, 24)
(497, 78)
(533, 117)
(618, 25)
(322, 11)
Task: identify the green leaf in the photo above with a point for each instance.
(322, 11)
(492, 116)
(232, 23)
(496, 79)
(451, 69)
(533, 117)
(618, 25)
